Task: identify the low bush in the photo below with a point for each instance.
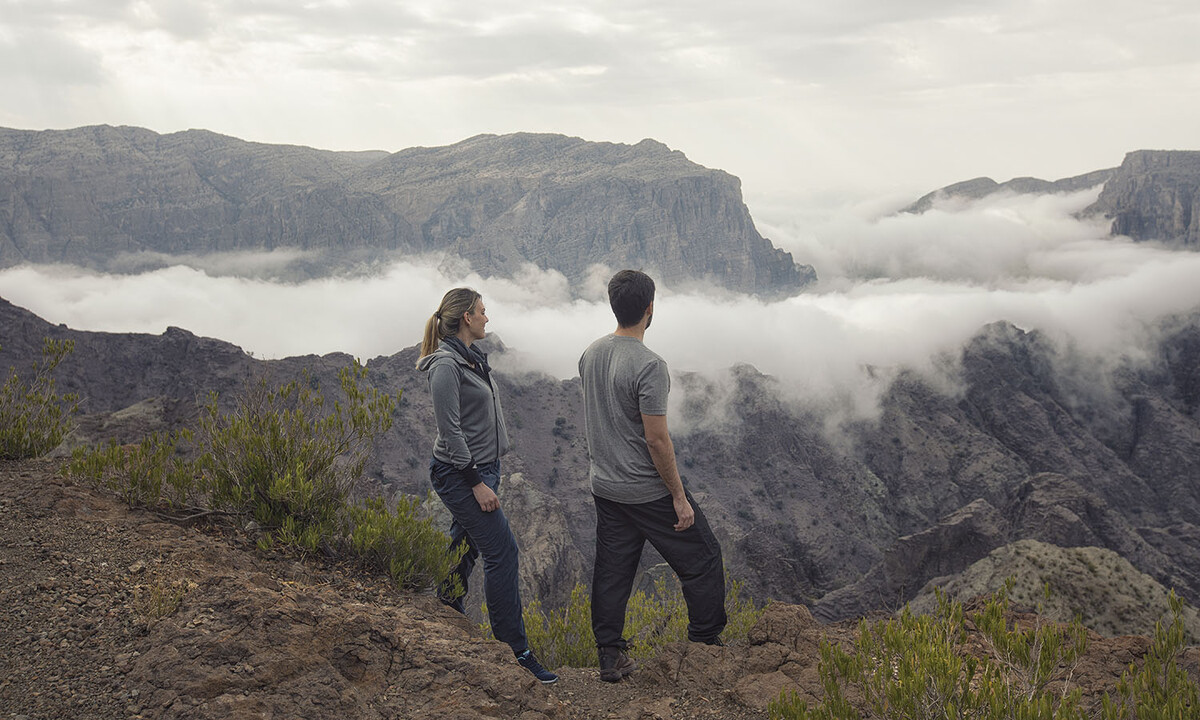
(284, 458)
(918, 667)
(401, 543)
(654, 619)
(1029, 658)
(34, 418)
(1159, 689)
(158, 598)
(149, 474)
(913, 666)
(563, 636)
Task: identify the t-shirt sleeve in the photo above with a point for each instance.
(654, 383)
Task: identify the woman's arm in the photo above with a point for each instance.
(445, 383)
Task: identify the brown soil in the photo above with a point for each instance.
(115, 613)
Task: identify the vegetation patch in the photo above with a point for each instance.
(34, 418)
(921, 666)
(159, 597)
(283, 462)
(563, 636)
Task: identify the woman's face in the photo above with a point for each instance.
(477, 320)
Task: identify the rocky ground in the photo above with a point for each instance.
(113, 613)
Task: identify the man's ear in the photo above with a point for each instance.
(649, 309)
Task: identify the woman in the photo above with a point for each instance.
(465, 470)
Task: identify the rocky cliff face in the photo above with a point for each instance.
(1030, 448)
(93, 196)
(1155, 195)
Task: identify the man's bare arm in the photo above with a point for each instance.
(662, 452)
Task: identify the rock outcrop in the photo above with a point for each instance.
(1154, 195)
(1102, 588)
(943, 550)
(120, 197)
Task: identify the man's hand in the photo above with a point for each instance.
(685, 514)
(662, 452)
(487, 499)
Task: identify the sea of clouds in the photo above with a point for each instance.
(896, 291)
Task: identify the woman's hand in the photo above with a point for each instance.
(486, 498)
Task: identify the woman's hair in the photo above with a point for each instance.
(445, 322)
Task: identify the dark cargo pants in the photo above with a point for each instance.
(694, 554)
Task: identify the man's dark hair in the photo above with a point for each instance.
(630, 292)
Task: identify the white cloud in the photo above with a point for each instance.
(900, 292)
(996, 240)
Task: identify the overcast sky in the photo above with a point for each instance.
(810, 103)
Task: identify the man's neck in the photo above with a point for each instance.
(634, 331)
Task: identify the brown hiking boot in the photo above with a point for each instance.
(615, 664)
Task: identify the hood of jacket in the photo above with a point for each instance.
(442, 353)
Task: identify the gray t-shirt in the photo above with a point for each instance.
(622, 380)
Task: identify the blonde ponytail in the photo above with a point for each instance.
(429, 340)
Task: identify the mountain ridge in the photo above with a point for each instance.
(1153, 195)
(91, 196)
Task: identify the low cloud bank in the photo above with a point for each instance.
(895, 292)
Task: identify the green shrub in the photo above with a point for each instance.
(34, 419)
(915, 666)
(1160, 689)
(287, 460)
(1029, 658)
(563, 636)
(655, 619)
(400, 543)
(148, 474)
(743, 613)
(158, 597)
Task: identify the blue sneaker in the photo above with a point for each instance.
(530, 662)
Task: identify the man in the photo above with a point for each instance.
(635, 484)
